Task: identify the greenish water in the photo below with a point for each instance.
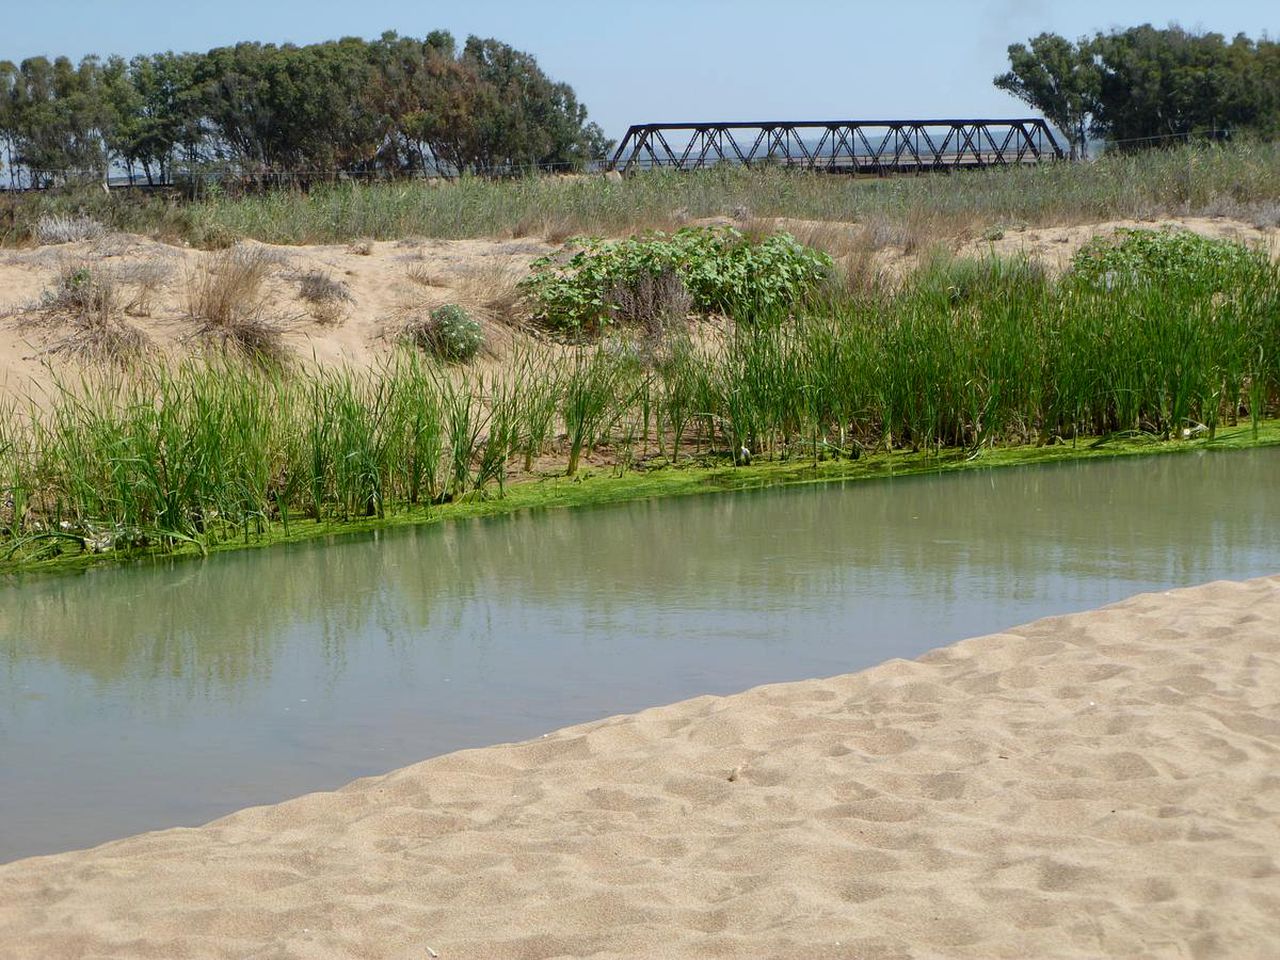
(145, 696)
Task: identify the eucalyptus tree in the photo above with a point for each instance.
(291, 113)
(1143, 86)
(9, 81)
(1058, 78)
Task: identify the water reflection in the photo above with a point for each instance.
(144, 696)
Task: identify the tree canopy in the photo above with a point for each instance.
(393, 105)
(1144, 85)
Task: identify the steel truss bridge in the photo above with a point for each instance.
(839, 146)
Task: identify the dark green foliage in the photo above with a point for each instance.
(1142, 86)
(722, 271)
(1156, 83)
(1168, 258)
(450, 333)
(291, 114)
(1058, 78)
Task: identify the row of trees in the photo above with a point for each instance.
(396, 104)
(1145, 85)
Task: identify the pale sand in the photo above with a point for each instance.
(391, 282)
(1099, 785)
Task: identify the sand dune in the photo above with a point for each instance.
(386, 280)
(1099, 785)
(383, 284)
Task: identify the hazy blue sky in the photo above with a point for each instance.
(648, 60)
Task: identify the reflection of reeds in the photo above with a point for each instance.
(963, 355)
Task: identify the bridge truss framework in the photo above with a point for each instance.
(839, 146)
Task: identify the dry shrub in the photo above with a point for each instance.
(55, 228)
(836, 239)
(114, 245)
(491, 287)
(228, 285)
(858, 274)
(324, 296)
(554, 228)
(81, 288)
(653, 313)
(1264, 214)
(654, 305)
(214, 236)
(423, 276)
(226, 294)
(316, 286)
(89, 300)
(881, 232)
(146, 280)
(854, 251)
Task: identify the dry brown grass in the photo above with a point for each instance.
(146, 281)
(875, 254)
(325, 297)
(424, 276)
(490, 288)
(555, 228)
(227, 295)
(87, 302)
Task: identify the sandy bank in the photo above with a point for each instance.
(1102, 784)
(386, 281)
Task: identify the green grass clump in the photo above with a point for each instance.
(721, 270)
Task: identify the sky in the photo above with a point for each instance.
(671, 60)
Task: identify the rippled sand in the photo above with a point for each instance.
(1104, 784)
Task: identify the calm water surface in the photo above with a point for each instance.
(134, 698)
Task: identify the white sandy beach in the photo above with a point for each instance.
(1099, 785)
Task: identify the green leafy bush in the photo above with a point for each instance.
(449, 332)
(1165, 257)
(722, 271)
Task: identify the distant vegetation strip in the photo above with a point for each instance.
(290, 114)
(1240, 180)
(1151, 337)
(1143, 86)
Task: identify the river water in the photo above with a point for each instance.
(160, 694)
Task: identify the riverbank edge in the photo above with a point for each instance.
(603, 486)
